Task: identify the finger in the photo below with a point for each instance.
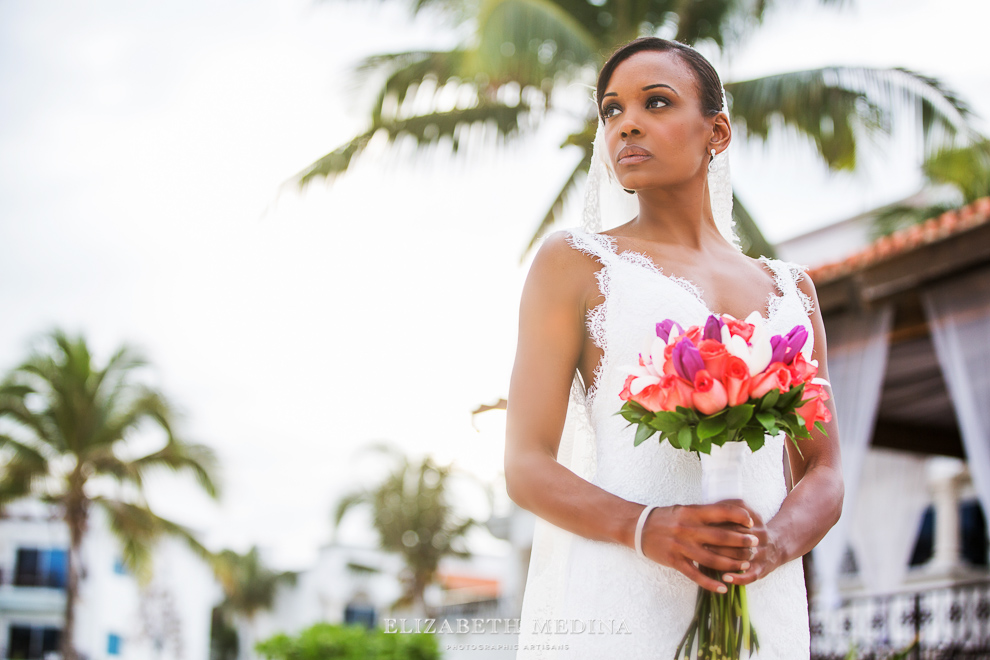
(699, 578)
(719, 536)
(742, 554)
(726, 511)
(756, 571)
(715, 561)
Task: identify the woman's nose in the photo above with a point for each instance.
(629, 128)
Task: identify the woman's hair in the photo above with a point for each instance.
(709, 85)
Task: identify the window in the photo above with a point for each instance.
(41, 568)
(973, 526)
(32, 642)
(113, 644)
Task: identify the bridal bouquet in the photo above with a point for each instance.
(709, 389)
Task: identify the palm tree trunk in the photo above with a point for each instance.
(71, 594)
(75, 518)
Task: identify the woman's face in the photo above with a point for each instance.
(656, 133)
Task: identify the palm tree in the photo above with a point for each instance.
(68, 429)
(521, 53)
(966, 170)
(249, 587)
(414, 518)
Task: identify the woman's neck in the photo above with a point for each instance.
(681, 217)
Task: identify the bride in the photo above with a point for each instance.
(590, 301)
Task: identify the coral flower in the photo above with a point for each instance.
(709, 394)
(777, 375)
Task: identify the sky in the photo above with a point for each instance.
(144, 150)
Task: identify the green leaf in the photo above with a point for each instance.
(710, 426)
(684, 437)
(821, 428)
(787, 401)
(754, 437)
(667, 421)
(769, 399)
(705, 446)
(643, 433)
(739, 415)
(767, 420)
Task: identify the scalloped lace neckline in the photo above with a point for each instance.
(771, 306)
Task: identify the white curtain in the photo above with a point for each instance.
(958, 313)
(857, 359)
(891, 500)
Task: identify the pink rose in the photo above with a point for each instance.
(625, 394)
(713, 354)
(651, 397)
(709, 394)
(678, 392)
(741, 328)
(801, 370)
(735, 375)
(814, 408)
(777, 375)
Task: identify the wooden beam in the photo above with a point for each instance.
(918, 438)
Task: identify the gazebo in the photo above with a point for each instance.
(908, 325)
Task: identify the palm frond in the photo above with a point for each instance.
(751, 239)
(177, 455)
(347, 503)
(406, 71)
(894, 218)
(336, 162)
(425, 129)
(24, 469)
(571, 186)
(530, 42)
(829, 105)
(966, 168)
(138, 529)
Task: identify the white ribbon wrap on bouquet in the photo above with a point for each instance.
(722, 473)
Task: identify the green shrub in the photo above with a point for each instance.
(325, 641)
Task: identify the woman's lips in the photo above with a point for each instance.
(633, 154)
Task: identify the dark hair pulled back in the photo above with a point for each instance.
(709, 84)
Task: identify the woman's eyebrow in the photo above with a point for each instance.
(648, 87)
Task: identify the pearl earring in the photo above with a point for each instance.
(711, 163)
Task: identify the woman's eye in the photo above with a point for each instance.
(611, 110)
(655, 100)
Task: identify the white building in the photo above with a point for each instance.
(116, 618)
(353, 584)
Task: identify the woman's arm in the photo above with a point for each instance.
(551, 338)
(815, 502)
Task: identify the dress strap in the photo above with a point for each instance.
(599, 246)
(787, 274)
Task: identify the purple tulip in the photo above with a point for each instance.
(778, 349)
(687, 359)
(664, 327)
(795, 342)
(713, 328)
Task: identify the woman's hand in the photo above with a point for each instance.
(678, 536)
(763, 557)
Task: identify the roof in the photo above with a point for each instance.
(469, 584)
(906, 240)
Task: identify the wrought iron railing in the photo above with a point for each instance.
(951, 622)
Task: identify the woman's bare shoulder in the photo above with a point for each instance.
(561, 272)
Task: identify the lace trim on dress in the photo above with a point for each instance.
(646, 262)
(595, 246)
(787, 274)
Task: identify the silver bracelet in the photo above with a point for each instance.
(639, 528)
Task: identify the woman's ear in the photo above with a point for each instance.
(721, 133)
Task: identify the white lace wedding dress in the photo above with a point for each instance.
(587, 599)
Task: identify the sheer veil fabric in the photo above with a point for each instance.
(606, 205)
